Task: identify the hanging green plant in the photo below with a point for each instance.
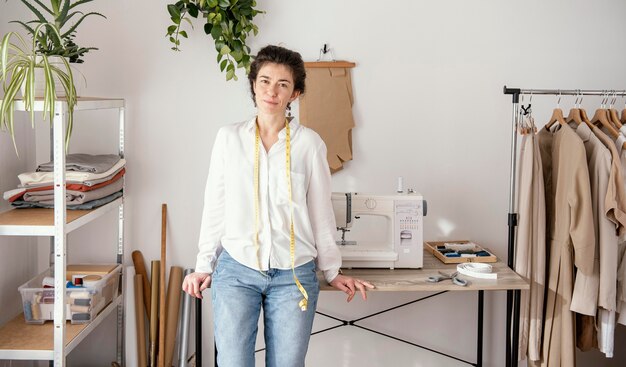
(229, 22)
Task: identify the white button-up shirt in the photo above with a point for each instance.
(228, 218)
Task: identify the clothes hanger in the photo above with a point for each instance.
(583, 113)
(574, 113)
(613, 117)
(623, 116)
(523, 111)
(328, 64)
(557, 115)
(601, 116)
(623, 119)
(527, 122)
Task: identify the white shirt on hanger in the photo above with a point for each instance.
(228, 219)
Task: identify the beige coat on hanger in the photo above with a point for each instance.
(530, 256)
(585, 300)
(571, 240)
(615, 206)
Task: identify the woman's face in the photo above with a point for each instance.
(274, 88)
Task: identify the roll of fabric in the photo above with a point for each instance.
(477, 270)
(173, 303)
(140, 323)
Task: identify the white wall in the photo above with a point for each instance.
(428, 106)
(19, 254)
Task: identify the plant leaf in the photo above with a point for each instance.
(64, 11)
(173, 10)
(73, 28)
(237, 55)
(216, 32)
(43, 6)
(230, 74)
(207, 28)
(4, 51)
(35, 11)
(193, 10)
(29, 29)
(225, 50)
(79, 3)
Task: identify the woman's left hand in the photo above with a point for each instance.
(350, 285)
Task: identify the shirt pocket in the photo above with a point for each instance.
(298, 188)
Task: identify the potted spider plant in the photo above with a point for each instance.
(19, 62)
(41, 68)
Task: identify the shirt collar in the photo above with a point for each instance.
(583, 131)
(293, 125)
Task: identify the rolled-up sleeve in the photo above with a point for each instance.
(212, 226)
(322, 216)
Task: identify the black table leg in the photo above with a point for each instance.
(516, 312)
(479, 339)
(509, 314)
(198, 332)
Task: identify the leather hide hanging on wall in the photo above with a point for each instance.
(326, 107)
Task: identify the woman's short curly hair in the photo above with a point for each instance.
(282, 56)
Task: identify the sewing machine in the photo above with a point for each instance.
(402, 246)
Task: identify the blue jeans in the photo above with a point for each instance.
(239, 293)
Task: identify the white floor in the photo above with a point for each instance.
(349, 346)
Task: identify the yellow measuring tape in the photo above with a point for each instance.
(292, 238)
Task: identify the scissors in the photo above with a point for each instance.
(444, 276)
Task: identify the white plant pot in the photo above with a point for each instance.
(40, 80)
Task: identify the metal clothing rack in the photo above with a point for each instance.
(513, 297)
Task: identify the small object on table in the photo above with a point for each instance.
(443, 276)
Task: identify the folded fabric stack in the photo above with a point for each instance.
(91, 181)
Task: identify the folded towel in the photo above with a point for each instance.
(30, 178)
(71, 182)
(80, 162)
(74, 197)
(88, 205)
(13, 194)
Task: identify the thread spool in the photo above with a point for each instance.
(400, 188)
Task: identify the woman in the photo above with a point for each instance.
(268, 217)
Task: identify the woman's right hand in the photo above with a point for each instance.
(195, 283)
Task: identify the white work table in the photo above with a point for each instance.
(408, 280)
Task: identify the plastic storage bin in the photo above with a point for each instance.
(82, 304)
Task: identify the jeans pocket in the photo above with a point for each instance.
(219, 266)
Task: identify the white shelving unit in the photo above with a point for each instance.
(21, 341)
